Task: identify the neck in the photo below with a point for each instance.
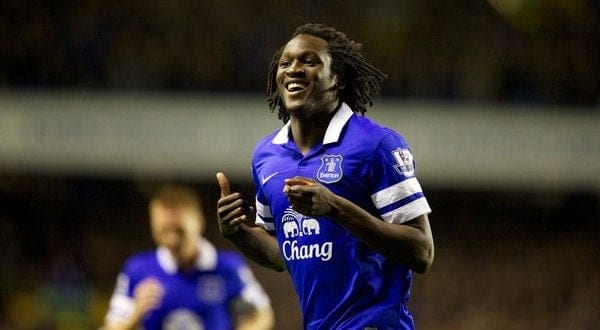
(309, 132)
(186, 258)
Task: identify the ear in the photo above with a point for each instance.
(340, 82)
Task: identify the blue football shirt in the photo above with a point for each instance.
(341, 283)
(193, 300)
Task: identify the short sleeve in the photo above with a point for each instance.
(264, 217)
(395, 190)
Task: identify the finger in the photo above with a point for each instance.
(299, 190)
(299, 181)
(224, 184)
(237, 221)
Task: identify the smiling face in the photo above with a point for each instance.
(305, 82)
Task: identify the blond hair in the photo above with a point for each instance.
(177, 196)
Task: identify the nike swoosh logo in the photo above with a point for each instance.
(265, 179)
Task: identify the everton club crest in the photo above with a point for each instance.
(331, 169)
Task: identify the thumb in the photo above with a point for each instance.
(224, 184)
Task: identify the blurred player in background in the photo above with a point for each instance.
(337, 201)
(185, 283)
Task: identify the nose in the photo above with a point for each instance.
(295, 68)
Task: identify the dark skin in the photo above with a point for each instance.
(309, 91)
(234, 214)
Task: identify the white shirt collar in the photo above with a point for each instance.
(206, 259)
(333, 132)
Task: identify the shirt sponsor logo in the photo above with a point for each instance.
(331, 169)
(297, 225)
(292, 250)
(182, 318)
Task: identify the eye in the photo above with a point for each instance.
(284, 63)
(310, 62)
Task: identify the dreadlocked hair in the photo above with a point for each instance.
(360, 78)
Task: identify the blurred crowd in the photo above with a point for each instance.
(504, 260)
(516, 51)
(512, 259)
(64, 239)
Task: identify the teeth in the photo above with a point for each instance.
(295, 86)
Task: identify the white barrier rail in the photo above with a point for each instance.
(196, 135)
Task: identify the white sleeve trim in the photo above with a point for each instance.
(263, 212)
(407, 212)
(253, 292)
(395, 193)
(265, 225)
(120, 308)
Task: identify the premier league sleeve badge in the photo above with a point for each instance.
(404, 162)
